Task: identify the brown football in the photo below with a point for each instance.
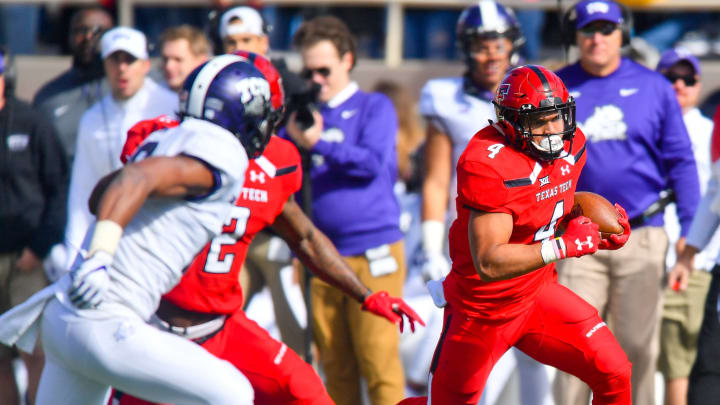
(598, 209)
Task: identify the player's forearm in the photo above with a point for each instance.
(124, 196)
(99, 190)
(435, 200)
(507, 261)
(316, 251)
(323, 259)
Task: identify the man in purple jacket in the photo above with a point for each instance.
(352, 144)
(637, 147)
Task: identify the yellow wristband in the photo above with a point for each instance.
(106, 237)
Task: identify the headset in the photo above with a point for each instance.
(567, 26)
(9, 71)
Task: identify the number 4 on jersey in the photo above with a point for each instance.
(494, 149)
(218, 260)
(548, 231)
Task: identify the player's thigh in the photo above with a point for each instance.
(274, 370)
(138, 359)
(566, 332)
(464, 356)
(59, 386)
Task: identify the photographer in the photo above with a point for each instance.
(354, 166)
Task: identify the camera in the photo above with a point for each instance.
(304, 103)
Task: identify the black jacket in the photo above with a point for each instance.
(33, 180)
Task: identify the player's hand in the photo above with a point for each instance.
(90, 281)
(435, 266)
(582, 237)
(615, 242)
(392, 309)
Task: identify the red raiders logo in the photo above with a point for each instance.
(502, 91)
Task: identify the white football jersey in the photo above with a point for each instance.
(456, 113)
(166, 234)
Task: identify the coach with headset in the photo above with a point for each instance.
(637, 147)
(33, 191)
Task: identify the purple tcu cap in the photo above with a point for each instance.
(673, 56)
(594, 10)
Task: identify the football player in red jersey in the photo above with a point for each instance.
(206, 306)
(516, 180)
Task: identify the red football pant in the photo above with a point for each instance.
(278, 375)
(560, 329)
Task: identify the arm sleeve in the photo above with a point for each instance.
(375, 142)
(679, 160)
(84, 175)
(53, 171)
(706, 220)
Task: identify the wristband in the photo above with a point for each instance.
(106, 237)
(552, 250)
(433, 236)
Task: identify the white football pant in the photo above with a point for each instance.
(85, 357)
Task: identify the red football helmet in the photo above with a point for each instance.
(527, 94)
(277, 94)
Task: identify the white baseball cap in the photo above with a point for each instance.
(125, 39)
(249, 22)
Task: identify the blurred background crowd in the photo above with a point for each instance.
(52, 54)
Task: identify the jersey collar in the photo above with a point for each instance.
(343, 95)
(472, 89)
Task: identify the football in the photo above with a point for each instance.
(598, 209)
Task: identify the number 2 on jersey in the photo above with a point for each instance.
(548, 231)
(218, 260)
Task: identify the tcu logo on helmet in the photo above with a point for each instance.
(587, 243)
(597, 7)
(251, 87)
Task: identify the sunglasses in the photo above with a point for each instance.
(689, 80)
(605, 29)
(309, 73)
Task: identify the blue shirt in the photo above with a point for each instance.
(354, 167)
(637, 142)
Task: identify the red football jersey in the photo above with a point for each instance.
(210, 284)
(492, 176)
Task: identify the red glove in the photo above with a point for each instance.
(137, 134)
(615, 242)
(392, 309)
(581, 237)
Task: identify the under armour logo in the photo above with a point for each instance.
(565, 170)
(587, 243)
(257, 177)
(544, 181)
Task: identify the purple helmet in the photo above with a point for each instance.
(487, 19)
(229, 91)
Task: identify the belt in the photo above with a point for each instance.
(666, 197)
(195, 332)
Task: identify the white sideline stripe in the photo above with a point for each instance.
(202, 82)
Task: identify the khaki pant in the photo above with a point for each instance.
(626, 288)
(16, 286)
(263, 268)
(354, 343)
(680, 326)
